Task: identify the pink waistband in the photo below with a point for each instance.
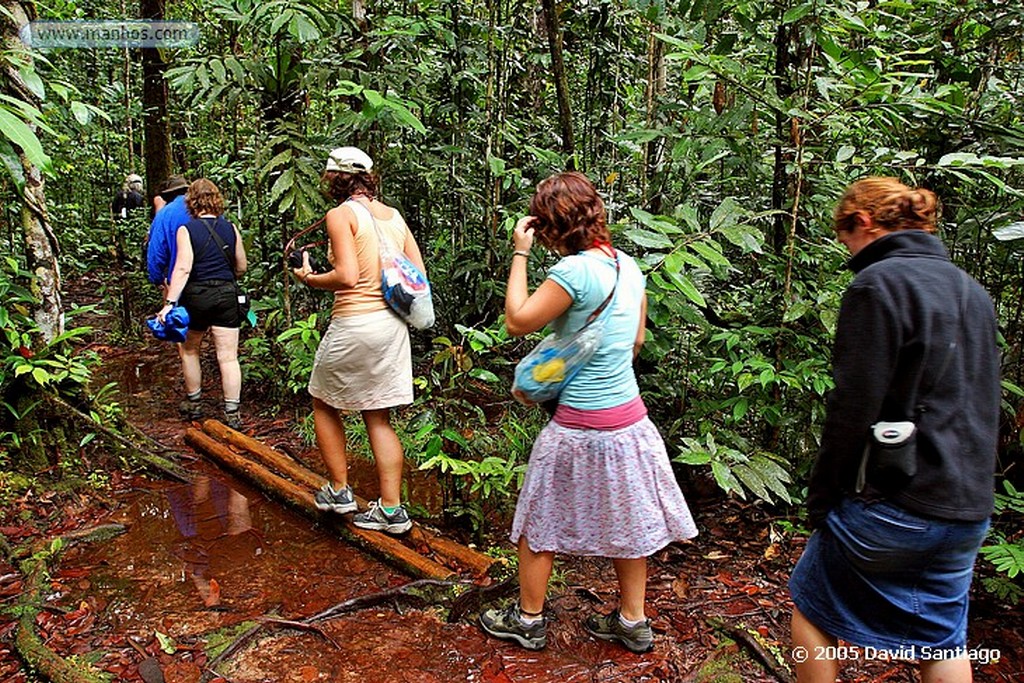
(604, 419)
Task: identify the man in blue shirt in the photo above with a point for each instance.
(162, 248)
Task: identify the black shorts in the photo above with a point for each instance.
(211, 303)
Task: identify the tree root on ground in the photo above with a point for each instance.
(135, 448)
(35, 568)
(417, 593)
(742, 635)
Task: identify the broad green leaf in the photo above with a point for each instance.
(167, 643)
(13, 165)
(373, 97)
(726, 215)
(18, 132)
(1013, 231)
(405, 116)
(648, 238)
(32, 80)
(797, 13)
(726, 480)
(686, 286)
(81, 112)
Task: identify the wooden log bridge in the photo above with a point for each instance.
(421, 552)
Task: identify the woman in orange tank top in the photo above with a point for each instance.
(364, 362)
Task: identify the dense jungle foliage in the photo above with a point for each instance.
(719, 132)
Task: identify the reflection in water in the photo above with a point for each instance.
(213, 520)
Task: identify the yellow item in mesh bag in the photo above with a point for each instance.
(551, 371)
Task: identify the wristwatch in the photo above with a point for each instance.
(170, 303)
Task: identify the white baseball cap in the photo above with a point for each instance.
(349, 160)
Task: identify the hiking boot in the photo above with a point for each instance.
(335, 501)
(191, 410)
(233, 419)
(507, 625)
(637, 639)
(375, 519)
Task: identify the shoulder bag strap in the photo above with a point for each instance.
(608, 299)
(382, 239)
(222, 244)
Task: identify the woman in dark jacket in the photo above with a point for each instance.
(890, 564)
(204, 280)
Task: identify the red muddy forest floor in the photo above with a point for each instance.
(199, 563)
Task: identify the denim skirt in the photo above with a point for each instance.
(878, 576)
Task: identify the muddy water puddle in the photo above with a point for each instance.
(201, 562)
(210, 553)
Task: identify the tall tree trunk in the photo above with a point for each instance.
(41, 246)
(780, 180)
(156, 129)
(655, 91)
(561, 80)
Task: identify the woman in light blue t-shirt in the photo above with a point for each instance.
(599, 480)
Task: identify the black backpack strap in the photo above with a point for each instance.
(222, 244)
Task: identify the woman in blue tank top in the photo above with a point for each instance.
(599, 481)
(210, 255)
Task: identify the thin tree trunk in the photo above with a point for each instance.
(561, 80)
(41, 246)
(780, 180)
(655, 90)
(156, 129)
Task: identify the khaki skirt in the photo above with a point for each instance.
(364, 363)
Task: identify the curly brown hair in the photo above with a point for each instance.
(569, 214)
(203, 197)
(340, 185)
(891, 205)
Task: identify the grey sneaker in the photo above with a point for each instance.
(233, 420)
(638, 639)
(191, 410)
(507, 625)
(375, 519)
(336, 501)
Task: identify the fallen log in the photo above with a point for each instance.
(302, 499)
(476, 562)
(136, 449)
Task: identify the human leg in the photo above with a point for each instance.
(387, 451)
(534, 572)
(627, 624)
(225, 341)
(335, 495)
(947, 671)
(330, 439)
(524, 623)
(809, 642)
(632, 575)
(190, 361)
(188, 352)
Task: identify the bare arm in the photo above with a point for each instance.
(525, 312)
(412, 250)
(641, 332)
(241, 262)
(182, 269)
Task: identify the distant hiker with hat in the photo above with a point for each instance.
(161, 248)
(128, 198)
